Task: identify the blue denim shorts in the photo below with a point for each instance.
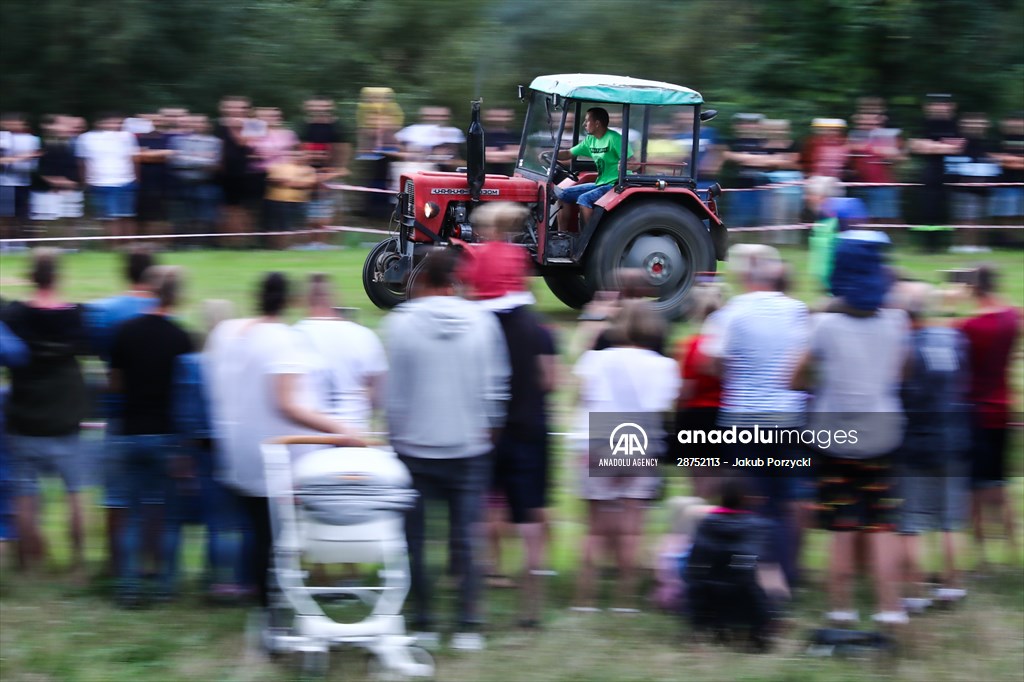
(114, 202)
(33, 456)
(584, 194)
(1007, 202)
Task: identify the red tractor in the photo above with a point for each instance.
(652, 219)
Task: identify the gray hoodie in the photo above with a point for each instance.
(448, 378)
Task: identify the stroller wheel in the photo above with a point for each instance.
(313, 664)
(378, 672)
(408, 663)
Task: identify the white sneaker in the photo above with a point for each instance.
(427, 640)
(916, 605)
(842, 616)
(467, 641)
(891, 618)
(949, 594)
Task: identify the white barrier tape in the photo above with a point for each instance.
(205, 235)
(801, 183)
(770, 228)
(358, 188)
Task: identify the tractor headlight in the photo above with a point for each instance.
(430, 209)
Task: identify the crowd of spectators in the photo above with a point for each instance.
(461, 381)
(246, 170)
(873, 158)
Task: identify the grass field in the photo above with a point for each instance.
(51, 629)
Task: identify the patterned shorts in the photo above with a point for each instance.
(857, 494)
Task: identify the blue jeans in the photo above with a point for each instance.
(218, 512)
(461, 484)
(200, 204)
(743, 209)
(114, 202)
(584, 194)
(144, 462)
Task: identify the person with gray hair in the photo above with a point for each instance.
(142, 359)
(755, 341)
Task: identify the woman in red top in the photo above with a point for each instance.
(701, 393)
(992, 335)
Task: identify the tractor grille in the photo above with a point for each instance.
(410, 193)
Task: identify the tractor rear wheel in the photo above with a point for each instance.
(569, 286)
(382, 294)
(665, 241)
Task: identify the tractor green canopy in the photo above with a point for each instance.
(615, 89)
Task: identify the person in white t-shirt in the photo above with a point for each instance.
(432, 139)
(260, 388)
(110, 165)
(628, 377)
(19, 149)
(355, 365)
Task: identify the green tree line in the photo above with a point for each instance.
(796, 58)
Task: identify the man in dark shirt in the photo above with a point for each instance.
(940, 138)
(1008, 202)
(142, 359)
(46, 404)
(502, 142)
(747, 154)
(235, 154)
(58, 190)
(328, 150)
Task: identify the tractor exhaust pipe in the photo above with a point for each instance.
(476, 164)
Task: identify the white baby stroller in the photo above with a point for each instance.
(340, 505)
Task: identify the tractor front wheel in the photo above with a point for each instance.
(664, 241)
(381, 293)
(569, 286)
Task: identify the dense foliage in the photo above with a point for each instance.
(794, 57)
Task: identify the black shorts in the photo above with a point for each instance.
(988, 457)
(233, 189)
(857, 494)
(521, 473)
(151, 204)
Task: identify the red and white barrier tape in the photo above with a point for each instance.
(801, 183)
(205, 235)
(872, 226)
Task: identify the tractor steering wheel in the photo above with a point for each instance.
(562, 171)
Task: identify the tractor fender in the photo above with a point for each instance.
(683, 196)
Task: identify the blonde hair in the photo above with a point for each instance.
(504, 217)
(707, 298)
(917, 299)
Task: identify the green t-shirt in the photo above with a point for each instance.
(605, 153)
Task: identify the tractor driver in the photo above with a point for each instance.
(603, 146)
